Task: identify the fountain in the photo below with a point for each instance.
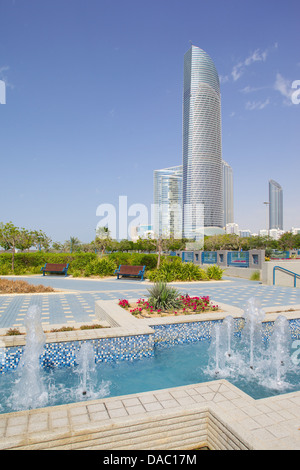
(221, 346)
(278, 356)
(253, 358)
(29, 390)
(86, 367)
(252, 332)
(228, 325)
(35, 387)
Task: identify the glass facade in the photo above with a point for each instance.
(227, 193)
(275, 205)
(202, 153)
(168, 202)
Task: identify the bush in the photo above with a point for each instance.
(215, 272)
(100, 267)
(255, 276)
(90, 264)
(31, 263)
(163, 297)
(176, 270)
(134, 259)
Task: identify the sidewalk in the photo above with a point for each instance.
(75, 302)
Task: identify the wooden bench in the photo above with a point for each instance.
(56, 268)
(130, 271)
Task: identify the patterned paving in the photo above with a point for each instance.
(76, 301)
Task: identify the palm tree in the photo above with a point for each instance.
(72, 244)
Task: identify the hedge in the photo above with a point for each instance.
(91, 264)
(31, 263)
(81, 264)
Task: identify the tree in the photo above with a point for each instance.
(103, 239)
(10, 236)
(56, 246)
(162, 244)
(72, 245)
(40, 240)
(177, 244)
(126, 245)
(286, 241)
(25, 239)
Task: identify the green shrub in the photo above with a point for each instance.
(31, 263)
(255, 276)
(163, 297)
(100, 267)
(214, 272)
(176, 270)
(134, 259)
(13, 332)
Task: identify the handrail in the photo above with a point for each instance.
(290, 273)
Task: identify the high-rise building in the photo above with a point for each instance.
(168, 202)
(275, 205)
(202, 153)
(227, 193)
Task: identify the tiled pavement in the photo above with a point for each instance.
(76, 300)
(213, 413)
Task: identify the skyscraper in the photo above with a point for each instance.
(202, 153)
(275, 205)
(168, 202)
(227, 193)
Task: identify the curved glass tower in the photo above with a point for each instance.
(202, 148)
(275, 205)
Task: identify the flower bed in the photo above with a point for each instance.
(186, 306)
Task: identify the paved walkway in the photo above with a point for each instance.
(76, 300)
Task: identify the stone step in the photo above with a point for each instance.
(147, 434)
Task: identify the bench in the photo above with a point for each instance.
(130, 271)
(57, 268)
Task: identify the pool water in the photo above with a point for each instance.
(169, 367)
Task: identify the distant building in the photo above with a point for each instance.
(227, 193)
(141, 231)
(275, 205)
(245, 233)
(202, 148)
(232, 228)
(168, 202)
(275, 233)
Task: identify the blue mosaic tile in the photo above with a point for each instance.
(129, 348)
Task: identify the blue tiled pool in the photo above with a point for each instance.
(174, 355)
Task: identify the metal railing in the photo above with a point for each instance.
(286, 271)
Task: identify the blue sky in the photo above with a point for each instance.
(94, 104)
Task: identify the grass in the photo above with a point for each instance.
(255, 276)
(16, 331)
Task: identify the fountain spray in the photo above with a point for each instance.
(29, 391)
